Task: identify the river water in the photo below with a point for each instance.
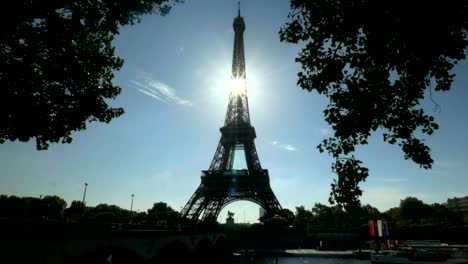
(295, 260)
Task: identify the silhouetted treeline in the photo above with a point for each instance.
(50, 208)
(412, 212)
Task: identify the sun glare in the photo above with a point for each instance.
(237, 86)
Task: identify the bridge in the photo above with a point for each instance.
(56, 242)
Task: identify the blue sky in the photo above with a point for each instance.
(174, 91)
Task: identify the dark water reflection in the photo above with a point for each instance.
(294, 260)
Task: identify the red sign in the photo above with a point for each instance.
(371, 228)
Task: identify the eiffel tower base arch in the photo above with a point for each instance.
(220, 188)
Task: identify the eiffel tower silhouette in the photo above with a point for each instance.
(221, 184)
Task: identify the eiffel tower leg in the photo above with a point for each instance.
(263, 196)
(194, 206)
(270, 202)
(218, 208)
(251, 157)
(221, 157)
(212, 210)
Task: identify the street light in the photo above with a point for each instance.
(84, 197)
(131, 209)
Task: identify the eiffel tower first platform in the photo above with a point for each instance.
(221, 184)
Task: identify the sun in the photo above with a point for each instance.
(237, 86)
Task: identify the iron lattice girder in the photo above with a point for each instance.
(237, 113)
(237, 134)
(240, 179)
(232, 138)
(238, 56)
(224, 155)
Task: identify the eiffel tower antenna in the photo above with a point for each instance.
(238, 8)
(221, 184)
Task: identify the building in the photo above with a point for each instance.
(459, 205)
(262, 212)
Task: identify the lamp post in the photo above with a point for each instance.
(131, 211)
(83, 202)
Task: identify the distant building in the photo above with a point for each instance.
(262, 212)
(459, 205)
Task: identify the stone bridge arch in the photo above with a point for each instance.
(175, 248)
(174, 252)
(108, 255)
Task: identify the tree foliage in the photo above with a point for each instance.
(75, 210)
(412, 208)
(374, 60)
(369, 212)
(411, 212)
(107, 213)
(302, 217)
(57, 63)
(53, 206)
(161, 213)
(50, 207)
(322, 216)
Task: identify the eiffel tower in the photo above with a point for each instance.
(221, 184)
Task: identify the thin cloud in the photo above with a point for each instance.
(290, 148)
(180, 50)
(158, 90)
(448, 164)
(287, 147)
(325, 131)
(394, 180)
(151, 94)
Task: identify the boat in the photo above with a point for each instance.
(362, 254)
(422, 252)
(419, 258)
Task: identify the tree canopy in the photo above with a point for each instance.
(161, 213)
(411, 212)
(54, 208)
(50, 206)
(374, 60)
(57, 63)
